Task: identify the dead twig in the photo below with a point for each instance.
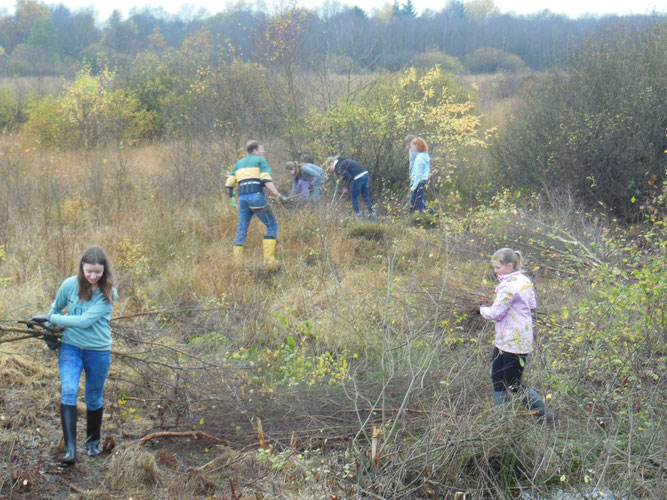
(233, 488)
(166, 312)
(33, 330)
(75, 489)
(195, 434)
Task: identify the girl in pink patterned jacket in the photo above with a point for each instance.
(512, 311)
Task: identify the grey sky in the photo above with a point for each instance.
(573, 8)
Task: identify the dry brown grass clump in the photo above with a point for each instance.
(193, 483)
(133, 468)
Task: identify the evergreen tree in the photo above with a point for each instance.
(455, 9)
(408, 9)
(359, 12)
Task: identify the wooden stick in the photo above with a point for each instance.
(405, 410)
(260, 433)
(195, 434)
(141, 313)
(13, 339)
(74, 488)
(231, 485)
(375, 448)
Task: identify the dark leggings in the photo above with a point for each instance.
(506, 370)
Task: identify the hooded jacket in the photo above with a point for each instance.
(512, 312)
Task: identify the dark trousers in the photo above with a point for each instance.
(506, 370)
(360, 187)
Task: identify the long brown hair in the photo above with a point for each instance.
(95, 255)
(296, 167)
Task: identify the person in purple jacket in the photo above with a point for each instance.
(306, 177)
(356, 178)
(86, 345)
(512, 312)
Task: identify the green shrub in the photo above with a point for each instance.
(370, 126)
(28, 60)
(87, 113)
(434, 58)
(232, 100)
(490, 60)
(597, 129)
(10, 112)
(45, 123)
(394, 61)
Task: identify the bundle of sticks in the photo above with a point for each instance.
(465, 300)
(20, 330)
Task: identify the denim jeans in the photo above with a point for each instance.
(417, 198)
(254, 204)
(360, 187)
(71, 362)
(317, 189)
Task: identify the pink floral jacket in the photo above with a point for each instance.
(511, 310)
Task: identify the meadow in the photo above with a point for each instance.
(355, 367)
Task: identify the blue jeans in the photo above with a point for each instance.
(254, 204)
(317, 192)
(417, 198)
(360, 187)
(317, 189)
(71, 362)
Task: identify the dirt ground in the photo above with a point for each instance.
(31, 439)
(188, 464)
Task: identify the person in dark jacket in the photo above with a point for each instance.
(356, 179)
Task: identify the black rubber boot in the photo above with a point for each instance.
(93, 431)
(68, 420)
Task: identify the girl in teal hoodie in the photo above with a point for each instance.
(86, 345)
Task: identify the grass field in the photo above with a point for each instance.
(355, 367)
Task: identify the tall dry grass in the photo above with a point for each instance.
(357, 350)
(21, 88)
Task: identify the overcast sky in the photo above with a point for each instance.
(573, 8)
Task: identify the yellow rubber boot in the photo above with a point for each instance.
(238, 252)
(269, 248)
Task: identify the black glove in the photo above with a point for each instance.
(230, 192)
(40, 318)
(51, 342)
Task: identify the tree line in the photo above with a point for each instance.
(41, 39)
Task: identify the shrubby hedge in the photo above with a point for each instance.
(370, 126)
(432, 58)
(88, 113)
(596, 128)
(10, 112)
(490, 60)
